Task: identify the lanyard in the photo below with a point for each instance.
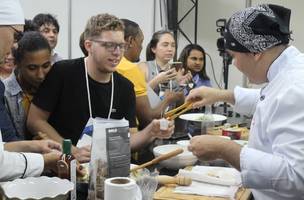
(89, 94)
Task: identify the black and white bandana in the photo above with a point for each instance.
(258, 28)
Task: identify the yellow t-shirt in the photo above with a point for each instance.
(132, 72)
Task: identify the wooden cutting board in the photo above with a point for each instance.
(166, 193)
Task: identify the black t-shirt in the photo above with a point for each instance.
(63, 93)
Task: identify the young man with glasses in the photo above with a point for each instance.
(61, 109)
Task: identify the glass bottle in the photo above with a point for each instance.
(67, 165)
(207, 123)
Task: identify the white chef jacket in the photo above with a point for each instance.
(12, 164)
(273, 163)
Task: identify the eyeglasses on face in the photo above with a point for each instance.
(111, 46)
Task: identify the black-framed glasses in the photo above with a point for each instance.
(111, 46)
(17, 34)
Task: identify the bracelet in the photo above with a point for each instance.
(25, 164)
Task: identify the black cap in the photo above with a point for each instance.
(258, 28)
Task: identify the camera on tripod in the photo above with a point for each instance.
(227, 59)
(221, 24)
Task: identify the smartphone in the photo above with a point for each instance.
(176, 65)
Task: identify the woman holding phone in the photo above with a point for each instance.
(158, 73)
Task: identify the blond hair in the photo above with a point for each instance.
(102, 22)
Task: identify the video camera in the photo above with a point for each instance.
(227, 59)
(221, 24)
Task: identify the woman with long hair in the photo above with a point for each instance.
(193, 57)
(157, 70)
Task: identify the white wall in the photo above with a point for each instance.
(56, 7)
(138, 10)
(141, 11)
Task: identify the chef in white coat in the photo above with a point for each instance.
(20, 165)
(272, 164)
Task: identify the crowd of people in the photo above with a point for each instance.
(46, 97)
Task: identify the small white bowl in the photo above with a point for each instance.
(180, 161)
(34, 188)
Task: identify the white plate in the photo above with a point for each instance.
(38, 188)
(195, 117)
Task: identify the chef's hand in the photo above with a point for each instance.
(207, 147)
(206, 96)
(203, 96)
(82, 154)
(158, 132)
(50, 160)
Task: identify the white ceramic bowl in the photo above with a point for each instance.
(42, 188)
(180, 161)
(183, 143)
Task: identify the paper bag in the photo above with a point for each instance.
(110, 155)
